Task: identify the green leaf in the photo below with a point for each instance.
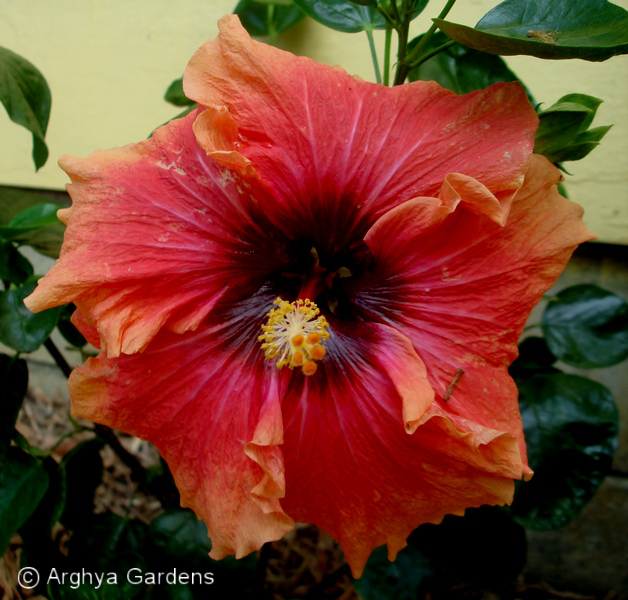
(179, 535)
(594, 30)
(176, 591)
(26, 97)
(21, 329)
(84, 469)
(51, 506)
(459, 68)
(278, 2)
(177, 538)
(38, 227)
(534, 357)
(14, 267)
(14, 200)
(13, 386)
(111, 545)
(174, 94)
(587, 327)
(341, 15)
(70, 333)
(102, 537)
(401, 579)
(562, 134)
(583, 144)
(485, 548)
(571, 425)
(255, 17)
(40, 215)
(23, 483)
(71, 592)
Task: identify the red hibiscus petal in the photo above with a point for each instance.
(337, 152)
(354, 470)
(157, 235)
(461, 286)
(86, 329)
(210, 404)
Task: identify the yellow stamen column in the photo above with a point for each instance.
(294, 335)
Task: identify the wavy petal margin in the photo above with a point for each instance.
(336, 152)
(219, 428)
(357, 469)
(461, 285)
(156, 221)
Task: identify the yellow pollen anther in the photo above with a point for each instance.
(313, 338)
(309, 368)
(318, 352)
(293, 335)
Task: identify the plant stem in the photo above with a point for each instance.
(395, 11)
(59, 359)
(404, 62)
(433, 52)
(387, 56)
(369, 35)
(270, 21)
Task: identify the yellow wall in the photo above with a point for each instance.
(108, 63)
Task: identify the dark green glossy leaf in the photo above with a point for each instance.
(14, 200)
(26, 97)
(486, 548)
(581, 146)
(570, 426)
(21, 329)
(418, 6)
(534, 357)
(37, 226)
(401, 579)
(13, 386)
(562, 134)
(161, 483)
(415, 9)
(258, 20)
(111, 545)
(84, 469)
(587, 327)
(102, 537)
(594, 30)
(23, 483)
(341, 15)
(70, 592)
(21, 442)
(179, 535)
(51, 506)
(14, 267)
(459, 68)
(34, 217)
(174, 94)
(177, 591)
(67, 328)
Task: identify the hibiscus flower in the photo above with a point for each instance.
(308, 292)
